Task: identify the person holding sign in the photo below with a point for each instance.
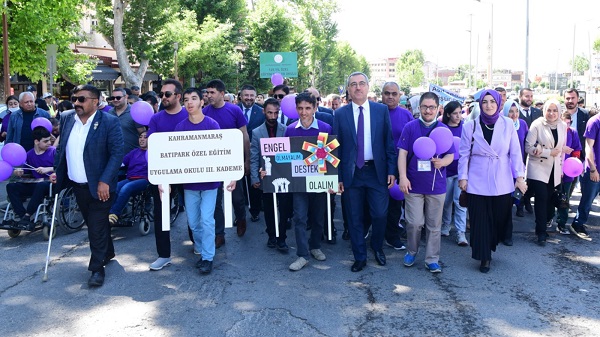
(269, 129)
(165, 121)
(367, 166)
(200, 198)
(308, 206)
(423, 182)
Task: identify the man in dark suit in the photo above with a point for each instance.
(255, 117)
(527, 112)
(367, 166)
(89, 154)
(579, 116)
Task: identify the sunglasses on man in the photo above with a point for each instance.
(115, 98)
(80, 99)
(166, 94)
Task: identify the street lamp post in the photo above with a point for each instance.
(5, 53)
(470, 50)
(491, 45)
(527, 47)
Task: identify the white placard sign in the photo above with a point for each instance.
(195, 157)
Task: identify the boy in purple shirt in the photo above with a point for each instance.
(308, 206)
(40, 160)
(200, 198)
(423, 183)
(136, 180)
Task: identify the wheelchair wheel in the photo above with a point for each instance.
(13, 233)
(176, 206)
(69, 216)
(46, 231)
(144, 226)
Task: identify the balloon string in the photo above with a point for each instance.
(34, 168)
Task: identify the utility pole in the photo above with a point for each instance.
(470, 50)
(5, 53)
(527, 47)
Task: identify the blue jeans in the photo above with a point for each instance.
(460, 213)
(125, 189)
(200, 210)
(589, 191)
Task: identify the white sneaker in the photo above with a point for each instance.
(160, 263)
(317, 254)
(298, 264)
(461, 239)
(445, 230)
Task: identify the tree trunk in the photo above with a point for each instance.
(130, 76)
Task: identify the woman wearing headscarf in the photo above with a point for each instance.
(544, 145)
(511, 110)
(489, 153)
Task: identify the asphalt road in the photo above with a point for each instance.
(530, 290)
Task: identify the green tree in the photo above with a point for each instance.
(32, 25)
(345, 61)
(224, 11)
(409, 68)
(581, 64)
(597, 45)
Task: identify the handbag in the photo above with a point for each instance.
(463, 198)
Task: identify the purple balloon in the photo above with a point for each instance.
(395, 192)
(288, 106)
(13, 154)
(41, 121)
(424, 148)
(6, 170)
(276, 79)
(141, 112)
(456, 146)
(572, 167)
(442, 137)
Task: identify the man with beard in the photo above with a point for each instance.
(19, 125)
(131, 129)
(579, 116)
(90, 152)
(527, 112)
(269, 129)
(279, 92)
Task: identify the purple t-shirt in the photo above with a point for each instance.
(452, 169)
(137, 164)
(399, 117)
(422, 182)
(522, 134)
(206, 124)
(293, 131)
(592, 129)
(45, 159)
(5, 121)
(229, 116)
(165, 122)
(574, 143)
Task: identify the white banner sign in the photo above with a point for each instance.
(446, 95)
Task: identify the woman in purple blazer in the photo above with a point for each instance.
(489, 152)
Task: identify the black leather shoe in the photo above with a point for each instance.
(380, 257)
(108, 258)
(97, 279)
(205, 267)
(485, 266)
(508, 242)
(358, 266)
(254, 218)
(541, 239)
(527, 204)
(346, 235)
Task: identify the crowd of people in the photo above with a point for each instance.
(510, 151)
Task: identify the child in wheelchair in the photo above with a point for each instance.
(136, 180)
(39, 162)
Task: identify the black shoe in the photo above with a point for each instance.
(520, 212)
(97, 279)
(485, 266)
(358, 266)
(282, 247)
(254, 218)
(333, 240)
(108, 258)
(508, 242)
(579, 230)
(288, 224)
(380, 257)
(346, 235)
(205, 267)
(27, 224)
(271, 242)
(541, 239)
(527, 204)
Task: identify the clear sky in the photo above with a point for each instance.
(387, 28)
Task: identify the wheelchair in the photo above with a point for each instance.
(43, 216)
(139, 212)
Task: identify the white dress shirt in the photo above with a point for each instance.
(367, 125)
(75, 146)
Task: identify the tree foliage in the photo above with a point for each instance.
(581, 64)
(409, 68)
(224, 11)
(597, 45)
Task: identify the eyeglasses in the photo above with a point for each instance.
(357, 84)
(80, 99)
(279, 96)
(116, 98)
(428, 107)
(167, 94)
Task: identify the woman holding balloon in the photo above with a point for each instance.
(452, 117)
(544, 145)
(489, 153)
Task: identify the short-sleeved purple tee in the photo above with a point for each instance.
(229, 116)
(206, 124)
(422, 182)
(165, 122)
(45, 159)
(574, 143)
(592, 131)
(137, 164)
(398, 118)
(452, 169)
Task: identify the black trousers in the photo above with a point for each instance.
(162, 238)
(256, 197)
(95, 214)
(544, 210)
(282, 201)
(392, 230)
